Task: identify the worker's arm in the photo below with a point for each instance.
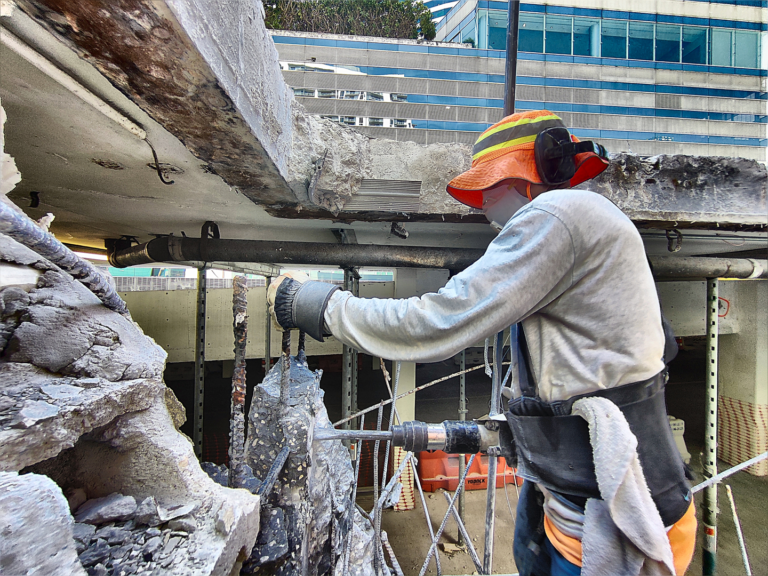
(527, 266)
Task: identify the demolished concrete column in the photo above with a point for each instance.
(309, 513)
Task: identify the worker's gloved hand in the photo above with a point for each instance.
(295, 301)
(295, 280)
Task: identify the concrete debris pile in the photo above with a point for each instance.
(84, 412)
(309, 519)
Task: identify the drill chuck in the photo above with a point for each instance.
(451, 436)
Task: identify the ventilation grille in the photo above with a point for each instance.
(386, 196)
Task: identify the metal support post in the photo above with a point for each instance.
(490, 503)
(349, 359)
(197, 429)
(268, 335)
(710, 441)
(510, 70)
(462, 416)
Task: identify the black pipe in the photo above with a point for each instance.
(510, 70)
(170, 249)
(174, 249)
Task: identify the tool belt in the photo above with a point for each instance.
(553, 447)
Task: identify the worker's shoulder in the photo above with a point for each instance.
(579, 207)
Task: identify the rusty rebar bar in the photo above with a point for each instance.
(237, 418)
(285, 369)
(25, 231)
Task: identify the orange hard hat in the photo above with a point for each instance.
(505, 151)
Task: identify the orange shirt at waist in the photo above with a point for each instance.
(682, 540)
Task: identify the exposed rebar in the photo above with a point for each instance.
(739, 533)
(353, 501)
(285, 369)
(25, 231)
(376, 556)
(730, 472)
(415, 471)
(465, 536)
(274, 471)
(436, 539)
(237, 419)
(395, 564)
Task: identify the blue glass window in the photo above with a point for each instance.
(614, 39)
(694, 45)
(497, 30)
(640, 41)
(531, 33)
(558, 35)
(667, 43)
(720, 48)
(746, 50)
(586, 37)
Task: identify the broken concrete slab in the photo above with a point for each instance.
(30, 504)
(109, 435)
(687, 191)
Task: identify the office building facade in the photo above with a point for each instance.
(687, 78)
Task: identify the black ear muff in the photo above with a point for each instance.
(554, 151)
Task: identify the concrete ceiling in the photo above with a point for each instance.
(93, 174)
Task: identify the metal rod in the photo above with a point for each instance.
(268, 335)
(739, 533)
(24, 230)
(414, 470)
(237, 419)
(351, 255)
(387, 448)
(404, 394)
(729, 472)
(274, 470)
(346, 384)
(465, 536)
(436, 539)
(376, 558)
(462, 416)
(709, 564)
(323, 434)
(285, 366)
(510, 70)
(199, 394)
(391, 553)
(490, 501)
(353, 501)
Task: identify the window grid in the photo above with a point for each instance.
(752, 40)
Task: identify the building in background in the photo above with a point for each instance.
(689, 78)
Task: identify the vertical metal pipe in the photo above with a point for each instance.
(510, 70)
(268, 334)
(462, 416)
(353, 402)
(709, 565)
(490, 501)
(237, 418)
(197, 426)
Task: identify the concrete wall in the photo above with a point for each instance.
(743, 363)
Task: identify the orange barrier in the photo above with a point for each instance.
(440, 470)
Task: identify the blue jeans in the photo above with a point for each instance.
(534, 554)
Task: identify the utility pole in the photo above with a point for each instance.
(510, 70)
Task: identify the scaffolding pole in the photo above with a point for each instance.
(349, 358)
(709, 564)
(197, 430)
(462, 416)
(237, 417)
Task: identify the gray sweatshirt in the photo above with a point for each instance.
(569, 265)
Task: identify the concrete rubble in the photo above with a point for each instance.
(309, 517)
(91, 457)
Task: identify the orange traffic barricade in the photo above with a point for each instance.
(440, 470)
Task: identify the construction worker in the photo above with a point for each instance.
(606, 491)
